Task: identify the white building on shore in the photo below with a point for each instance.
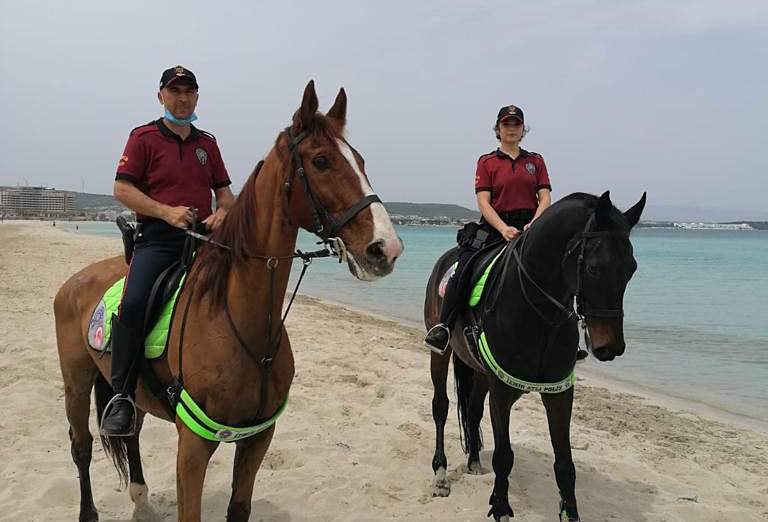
(35, 201)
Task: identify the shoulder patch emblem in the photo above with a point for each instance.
(202, 156)
(123, 161)
(531, 168)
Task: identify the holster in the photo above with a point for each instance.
(128, 232)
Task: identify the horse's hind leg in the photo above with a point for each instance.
(502, 399)
(248, 457)
(138, 487)
(79, 375)
(475, 416)
(559, 407)
(438, 366)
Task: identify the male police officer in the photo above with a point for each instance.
(166, 176)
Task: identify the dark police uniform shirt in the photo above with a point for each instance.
(513, 183)
(173, 171)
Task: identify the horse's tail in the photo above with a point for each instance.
(464, 377)
(114, 447)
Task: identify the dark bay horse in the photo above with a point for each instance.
(579, 249)
(237, 358)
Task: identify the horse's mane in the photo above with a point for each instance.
(214, 264)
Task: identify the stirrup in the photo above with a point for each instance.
(435, 349)
(581, 355)
(117, 398)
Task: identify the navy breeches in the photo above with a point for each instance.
(150, 258)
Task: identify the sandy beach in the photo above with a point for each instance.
(357, 439)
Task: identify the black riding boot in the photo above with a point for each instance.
(119, 415)
(439, 335)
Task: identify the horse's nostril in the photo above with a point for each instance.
(375, 251)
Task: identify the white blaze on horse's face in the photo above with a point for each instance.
(386, 246)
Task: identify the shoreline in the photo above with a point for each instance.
(594, 377)
(591, 377)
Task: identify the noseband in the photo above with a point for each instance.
(326, 226)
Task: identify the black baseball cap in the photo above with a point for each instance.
(510, 111)
(174, 73)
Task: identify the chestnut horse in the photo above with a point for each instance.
(578, 249)
(237, 359)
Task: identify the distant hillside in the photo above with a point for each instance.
(85, 202)
(758, 225)
(431, 210)
(657, 216)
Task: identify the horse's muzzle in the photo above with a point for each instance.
(608, 352)
(607, 336)
(381, 254)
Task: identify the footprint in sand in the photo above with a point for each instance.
(278, 460)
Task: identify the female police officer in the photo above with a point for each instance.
(166, 176)
(513, 189)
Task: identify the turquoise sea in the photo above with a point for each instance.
(696, 319)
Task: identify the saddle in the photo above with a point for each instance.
(161, 301)
(481, 264)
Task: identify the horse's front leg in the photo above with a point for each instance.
(438, 366)
(559, 407)
(192, 458)
(248, 457)
(475, 416)
(501, 400)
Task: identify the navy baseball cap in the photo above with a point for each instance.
(510, 111)
(175, 73)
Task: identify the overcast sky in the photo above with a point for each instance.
(659, 95)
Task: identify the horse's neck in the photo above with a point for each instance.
(253, 283)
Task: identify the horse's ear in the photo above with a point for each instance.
(633, 214)
(603, 209)
(309, 105)
(339, 109)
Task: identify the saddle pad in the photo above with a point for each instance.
(477, 290)
(100, 327)
(446, 277)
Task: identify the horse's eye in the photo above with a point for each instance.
(592, 270)
(321, 162)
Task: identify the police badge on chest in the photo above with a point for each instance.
(202, 156)
(531, 168)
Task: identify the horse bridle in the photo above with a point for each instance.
(583, 308)
(320, 215)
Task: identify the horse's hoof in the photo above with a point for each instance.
(475, 468)
(500, 508)
(565, 516)
(441, 487)
(89, 515)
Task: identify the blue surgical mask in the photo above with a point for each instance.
(173, 119)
